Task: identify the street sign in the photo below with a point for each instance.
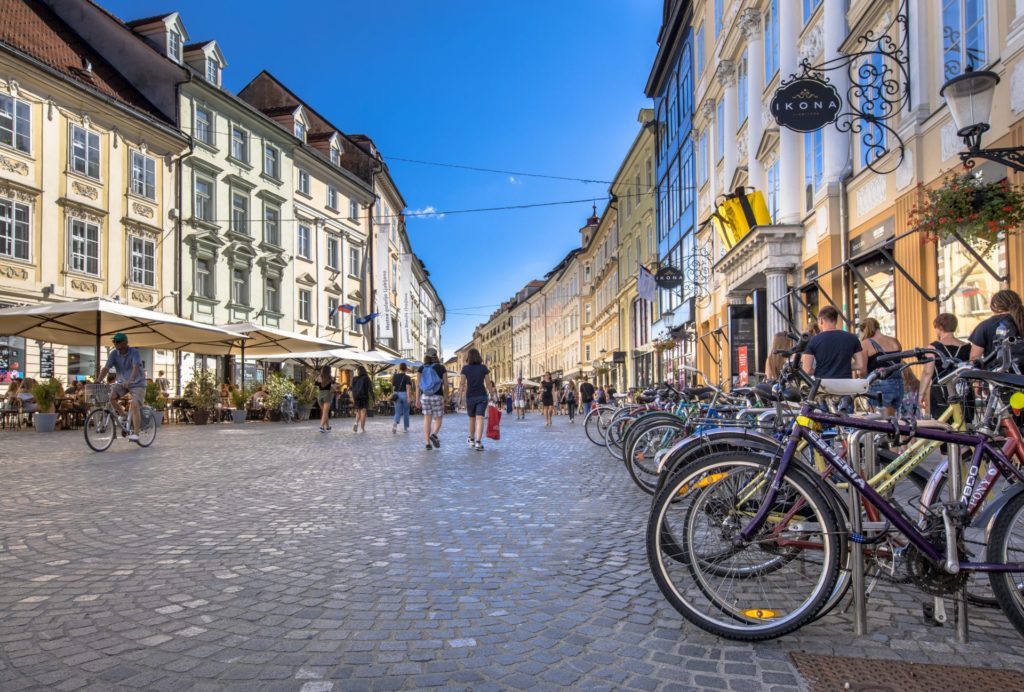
(806, 104)
(669, 277)
(618, 356)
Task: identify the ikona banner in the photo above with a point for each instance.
(806, 104)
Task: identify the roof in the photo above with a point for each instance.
(149, 20)
(35, 30)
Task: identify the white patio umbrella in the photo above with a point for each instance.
(260, 340)
(87, 322)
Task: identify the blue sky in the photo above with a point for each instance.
(541, 86)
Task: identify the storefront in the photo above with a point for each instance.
(12, 358)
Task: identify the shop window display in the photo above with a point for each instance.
(965, 285)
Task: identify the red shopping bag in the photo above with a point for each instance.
(493, 422)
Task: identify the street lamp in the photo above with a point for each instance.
(969, 98)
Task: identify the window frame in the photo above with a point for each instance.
(204, 288)
(86, 243)
(332, 198)
(72, 159)
(240, 286)
(272, 294)
(25, 118)
(333, 256)
(304, 185)
(271, 155)
(143, 187)
(239, 194)
(332, 309)
(210, 205)
(11, 236)
(354, 258)
(214, 64)
(308, 254)
(151, 258)
(175, 45)
(243, 144)
(271, 210)
(211, 125)
(305, 306)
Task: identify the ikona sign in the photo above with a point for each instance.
(669, 278)
(806, 104)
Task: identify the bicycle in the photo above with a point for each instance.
(103, 424)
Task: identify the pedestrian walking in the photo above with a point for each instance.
(773, 364)
(889, 392)
(508, 402)
(433, 391)
(1007, 313)
(586, 395)
(475, 385)
(360, 391)
(547, 398)
(934, 399)
(519, 399)
(570, 399)
(401, 388)
(325, 388)
(600, 396)
(833, 353)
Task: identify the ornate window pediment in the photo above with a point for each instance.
(305, 279)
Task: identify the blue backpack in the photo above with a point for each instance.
(430, 381)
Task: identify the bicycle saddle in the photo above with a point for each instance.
(842, 387)
(1002, 378)
(696, 392)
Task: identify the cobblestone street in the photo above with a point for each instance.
(273, 557)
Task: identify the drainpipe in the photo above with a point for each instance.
(844, 236)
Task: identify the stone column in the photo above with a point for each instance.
(777, 289)
(791, 152)
(725, 73)
(750, 25)
(837, 144)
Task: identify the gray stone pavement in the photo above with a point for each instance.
(272, 557)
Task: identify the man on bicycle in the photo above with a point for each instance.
(131, 379)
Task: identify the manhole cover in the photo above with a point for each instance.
(828, 673)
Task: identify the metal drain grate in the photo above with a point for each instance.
(830, 673)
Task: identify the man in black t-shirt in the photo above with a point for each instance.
(984, 340)
(834, 353)
(586, 395)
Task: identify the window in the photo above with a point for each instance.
(773, 189)
(143, 175)
(204, 199)
(239, 144)
(213, 72)
(812, 165)
(333, 252)
(240, 286)
(353, 210)
(332, 198)
(963, 36)
(85, 152)
(300, 130)
(14, 230)
(143, 261)
(702, 158)
(698, 50)
(720, 130)
(872, 136)
(332, 310)
(718, 17)
(271, 162)
(650, 174)
(303, 245)
(809, 7)
(335, 155)
(15, 123)
(771, 41)
(353, 261)
(303, 182)
(240, 213)
(204, 279)
(203, 129)
(586, 314)
(305, 305)
(84, 247)
(586, 351)
(174, 46)
(271, 225)
(741, 88)
(271, 296)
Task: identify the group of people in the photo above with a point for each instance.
(553, 399)
(834, 353)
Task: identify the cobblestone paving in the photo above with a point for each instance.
(273, 557)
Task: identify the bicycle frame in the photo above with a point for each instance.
(802, 431)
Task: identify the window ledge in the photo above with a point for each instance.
(84, 176)
(270, 247)
(238, 235)
(144, 287)
(17, 152)
(241, 164)
(303, 258)
(272, 179)
(239, 306)
(142, 198)
(300, 193)
(203, 223)
(205, 300)
(266, 312)
(74, 272)
(209, 146)
(304, 322)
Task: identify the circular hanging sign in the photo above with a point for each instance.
(806, 104)
(669, 277)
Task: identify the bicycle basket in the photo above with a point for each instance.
(147, 416)
(97, 393)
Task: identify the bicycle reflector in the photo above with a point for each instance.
(806, 422)
(703, 482)
(759, 613)
(1017, 401)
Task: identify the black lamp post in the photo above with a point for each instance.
(969, 99)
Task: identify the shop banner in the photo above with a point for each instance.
(405, 295)
(382, 261)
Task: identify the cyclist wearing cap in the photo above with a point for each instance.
(131, 379)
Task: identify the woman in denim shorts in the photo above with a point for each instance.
(889, 392)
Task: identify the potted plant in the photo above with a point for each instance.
(305, 395)
(978, 213)
(46, 395)
(240, 399)
(278, 387)
(156, 400)
(203, 394)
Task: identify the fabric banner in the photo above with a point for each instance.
(382, 262)
(405, 283)
(645, 285)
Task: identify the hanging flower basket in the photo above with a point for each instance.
(977, 212)
(662, 346)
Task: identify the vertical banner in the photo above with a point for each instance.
(405, 295)
(743, 376)
(382, 262)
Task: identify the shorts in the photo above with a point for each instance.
(433, 405)
(138, 392)
(520, 403)
(889, 391)
(362, 402)
(476, 406)
(324, 396)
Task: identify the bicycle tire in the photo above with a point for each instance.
(594, 424)
(729, 616)
(641, 452)
(148, 433)
(1008, 587)
(101, 422)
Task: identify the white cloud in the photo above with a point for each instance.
(429, 212)
(514, 180)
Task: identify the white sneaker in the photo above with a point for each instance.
(132, 437)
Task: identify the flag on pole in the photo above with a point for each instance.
(645, 285)
(346, 308)
(365, 320)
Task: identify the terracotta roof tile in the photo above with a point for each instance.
(32, 28)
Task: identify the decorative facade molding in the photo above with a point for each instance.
(142, 210)
(85, 190)
(707, 109)
(725, 73)
(951, 143)
(750, 24)
(13, 193)
(13, 165)
(905, 173)
(813, 43)
(75, 211)
(10, 272)
(870, 194)
(84, 286)
(142, 297)
(141, 230)
(1017, 88)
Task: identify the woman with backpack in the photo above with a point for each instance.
(360, 397)
(432, 386)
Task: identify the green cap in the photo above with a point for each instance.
(119, 337)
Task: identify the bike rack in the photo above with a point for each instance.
(960, 597)
(862, 457)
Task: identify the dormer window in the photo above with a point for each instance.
(335, 155)
(300, 130)
(174, 46)
(213, 72)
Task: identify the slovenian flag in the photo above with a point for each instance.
(346, 308)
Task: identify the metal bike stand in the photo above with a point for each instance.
(960, 597)
(854, 445)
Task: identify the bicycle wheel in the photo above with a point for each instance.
(100, 430)
(1006, 545)
(744, 590)
(642, 453)
(147, 435)
(597, 422)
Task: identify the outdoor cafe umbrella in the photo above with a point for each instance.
(260, 340)
(87, 322)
